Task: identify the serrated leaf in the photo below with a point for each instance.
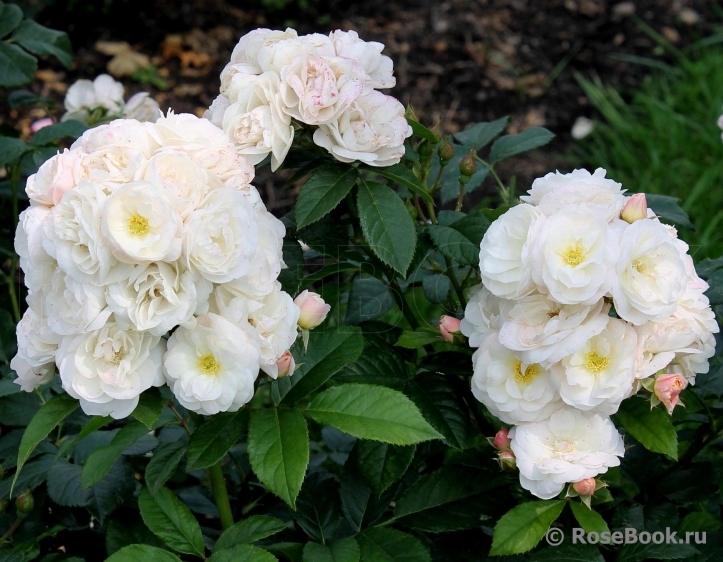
(45, 420)
(521, 528)
(386, 225)
(481, 134)
(453, 244)
(10, 17)
(404, 176)
(249, 530)
(422, 131)
(278, 447)
(382, 544)
(418, 338)
(344, 550)
(101, 460)
(328, 352)
(33, 475)
(16, 66)
(150, 406)
(436, 288)
(11, 149)
(589, 520)
(667, 207)
(167, 516)
(40, 40)
(163, 464)
(473, 227)
(213, 439)
(360, 506)
(510, 145)
(371, 412)
(243, 553)
(382, 464)
(125, 531)
(72, 129)
(144, 553)
(378, 364)
(323, 191)
(317, 510)
(369, 298)
(653, 429)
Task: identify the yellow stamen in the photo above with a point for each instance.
(529, 375)
(209, 365)
(594, 363)
(574, 256)
(138, 225)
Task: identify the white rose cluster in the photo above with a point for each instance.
(584, 294)
(138, 231)
(102, 100)
(276, 78)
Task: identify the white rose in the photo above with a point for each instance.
(221, 236)
(601, 374)
(248, 47)
(216, 110)
(481, 314)
(139, 224)
(505, 253)
(651, 275)
(37, 343)
(34, 260)
(316, 90)
(579, 188)
(278, 55)
(211, 366)
(568, 447)
(112, 165)
(142, 107)
(74, 307)
(512, 390)
(84, 96)
(257, 124)
(372, 130)
(543, 331)
(56, 176)
(126, 133)
(30, 377)
(573, 256)
(107, 369)
(234, 78)
(368, 54)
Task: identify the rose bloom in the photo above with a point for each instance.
(211, 364)
(85, 96)
(505, 253)
(107, 369)
(124, 133)
(37, 342)
(313, 309)
(35, 262)
(112, 166)
(569, 446)
(512, 390)
(368, 54)
(56, 176)
(74, 307)
(141, 107)
(372, 130)
(667, 389)
(481, 314)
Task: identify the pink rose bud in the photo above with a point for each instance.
(502, 441)
(313, 310)
(35, 126)
(636, 208)
(286, 364)
(668, 388)
(507, 461)
(585, 487)
(448, 326)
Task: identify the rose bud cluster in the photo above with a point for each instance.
(330, 82)
(138, 231)
(585, 294)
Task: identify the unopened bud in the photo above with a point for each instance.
(667, 389)
(425, 148)
(501, 440)
(409, 113)
(25, 503)
(35, 126)
(585, 487)
(313, 310)
(285, 364)
(448, 327)
(467, 167)
(445, 151)
(507, 461)
(636, 208)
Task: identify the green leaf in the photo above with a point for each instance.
(344, 550)
(386, 225)
(142, 553)
(95, 423)
(126, 531)
(404, 176)
(149, 407)
(667, 207)
(45, 420)
(10, 17)
(422, 131)
(637, 552)
(317, 508)
(213, 439)
(167, 516)
(382, 544)
(278, 447)
(40, 40)
(436, 288)
(72, 129)
(163, 464)
(33, 475)
(382, 464)
(101, 460)
(16, 66)
(568, 553)
(510, 145)
(481, 134)
(521, 528)
(453, 244)
(328, 352)
(589, 520)
(378, 364)
(419, 338)
(291, 551)
(473, 227)
(322, 192)
(369, 298)
(11, 149)
(653, 429)
(242, 553)
(19, 98)
(371, 412)
(249, 530)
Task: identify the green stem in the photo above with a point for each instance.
(503, 190)
(460, 197)
(457, 287)
(220, 495)
(14, 527)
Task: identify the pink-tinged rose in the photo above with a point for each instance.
(313, 310)
(35, 126)
(636, 208)
(501, 440)
(56, 176)
(668, 388)
(448, 327)
(286, 364)
(585, 487)
(507, 461)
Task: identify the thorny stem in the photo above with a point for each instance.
(220, 495)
